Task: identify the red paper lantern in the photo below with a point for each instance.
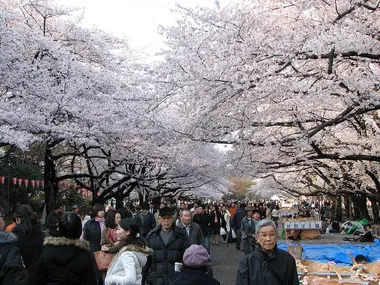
(33, 183)
(37, 183)
(26, 182)
(19, 180)
(14, 181)
(42, 183)
(2, 178)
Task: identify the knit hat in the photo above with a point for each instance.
(195, 256)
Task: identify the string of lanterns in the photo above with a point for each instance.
(20, 182)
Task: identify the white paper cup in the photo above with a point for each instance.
(177, 266)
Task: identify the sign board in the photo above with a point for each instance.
(303, 225)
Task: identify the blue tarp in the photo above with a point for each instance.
(337, 252)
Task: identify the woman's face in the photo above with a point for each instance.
(117, 218)
(122, 234)
(100, 214)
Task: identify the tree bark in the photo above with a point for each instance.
(375, 211)
(363, 207)
(50, 186)
(356, 205)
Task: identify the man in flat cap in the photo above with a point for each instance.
(168, 242)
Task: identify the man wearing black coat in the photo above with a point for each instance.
(204, 219)
(168, 243)
(236, 223)
(145, 220)
(267, 265)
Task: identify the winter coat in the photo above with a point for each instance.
(227, 219)
(12, 269)
(65, 261)
(146, 223)
(126, 266)
(92, 233)
(252, 270)
(246, 230)
(159, 269)
(52, 221)
(31, 246)
(191, 276)
(237, 218)
(204, 221)
(195, 235)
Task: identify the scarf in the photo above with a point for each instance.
(111, 235)
(101, 222)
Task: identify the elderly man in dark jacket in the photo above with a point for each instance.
(168, 242)
(267, 265)
(192, 229)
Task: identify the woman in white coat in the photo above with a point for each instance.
(126, 266)
(225, 223)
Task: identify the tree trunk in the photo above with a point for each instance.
(356, 203)
(119, 202)
(348, 208)
(50, 187)
(363, 207)
(338, 208)
(375, 211)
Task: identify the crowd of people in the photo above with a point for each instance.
(159, 246)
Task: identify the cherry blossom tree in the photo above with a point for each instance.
(292, 85)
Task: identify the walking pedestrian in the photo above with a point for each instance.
(194, 269)
(66, 259)
(168, 243)
(267, 265)
(126, 266)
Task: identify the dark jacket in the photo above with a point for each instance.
(159, 269)
(146, 223)
(52, 221)
(238, 217)
(195, 235)
(12, 269)
(204, 221)
(65, 261)
(191, 276)
(92, 233)
(252, 270)
(30, 245)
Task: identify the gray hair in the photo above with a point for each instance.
(265, 223)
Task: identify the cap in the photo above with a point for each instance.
(75, 206)
(250, 208)
(195, 256)
(166, 211)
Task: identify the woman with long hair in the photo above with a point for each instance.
(29, 237)
(66, 259)
(126, 266)
(109, 238)
(215, 224)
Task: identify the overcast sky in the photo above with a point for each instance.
(136, 19)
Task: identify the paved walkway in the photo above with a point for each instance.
(225, 262)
